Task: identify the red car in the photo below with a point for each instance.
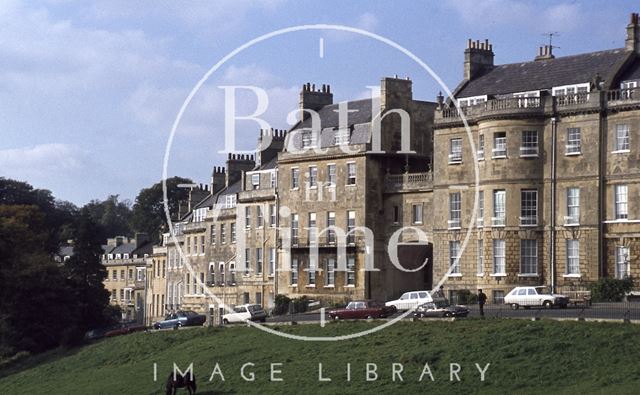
(363, 309)
(125, 329)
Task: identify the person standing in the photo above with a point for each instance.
(482, 298)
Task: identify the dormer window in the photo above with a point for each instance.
(230, 201)
(307, 139)
(341, 137)
(571, 94)
(255, 181)
(200, 214)
(472, 101)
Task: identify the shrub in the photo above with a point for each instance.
(610, 289)
(281, 305)
(466, 297)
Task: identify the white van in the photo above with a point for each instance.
(410, 300)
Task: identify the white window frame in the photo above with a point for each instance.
(341, 136)
(499, 208)
(272, 215)
(622, 262)
(622, 138)
(352, 175)
(455, 210)
(471, 100)
(417, 213)
(295, 177)
(480, 258)
(480, 217)
(499, 257)
(499, 145)
(621, 199)
(230, 201)
(330, 270)
(480, 147)
(313, 176)
(573, 207)
(573, 257)
(332, 175)
(454, 257)
(455, 151)
(529, 146)
(272, 261)
(528, 212)
(574, 141)
(255, 181)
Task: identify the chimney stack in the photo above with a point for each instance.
(545, 53)
(270, 142)
(237, 165)
(218, 179)
(632, 43)
(313, 99)
(478, 58)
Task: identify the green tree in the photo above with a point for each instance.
(112, 214)
(34, 302)
(148, 210)
(85, 275)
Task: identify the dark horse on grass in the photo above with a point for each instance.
(179, 381)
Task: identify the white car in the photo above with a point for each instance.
(410, 300)
(245, 312)
(534, 296)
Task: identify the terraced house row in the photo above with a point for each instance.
(537, 190)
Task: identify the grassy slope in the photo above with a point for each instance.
(525, 357)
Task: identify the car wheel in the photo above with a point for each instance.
(547, 304)
(225, 321)
(263, 320)
(514, 306)
(336, 318)
(447, 314)
(369, 317)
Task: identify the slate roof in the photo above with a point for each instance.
(358, 121)
(231, 190)
(543, 74)
(632, 73)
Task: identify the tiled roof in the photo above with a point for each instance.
(543, 74)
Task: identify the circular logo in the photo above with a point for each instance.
(230, 56)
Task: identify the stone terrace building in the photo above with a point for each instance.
(557, 149)
(329, 175)
(125, 262)
(156, 285)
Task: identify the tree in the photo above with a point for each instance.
(34, 304)
(57, 215)
(113, 215)
(148, 211)
(85, 275)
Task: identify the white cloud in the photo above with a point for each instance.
(559, 17)
(367, 21)
(43, 161)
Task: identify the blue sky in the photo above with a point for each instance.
(89, 91)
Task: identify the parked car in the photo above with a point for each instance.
(181, 318)
(125, 329)
(410, 300)
(534, 296)
(363, 309)
(245, 312)
(440, 307)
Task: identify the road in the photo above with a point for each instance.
(601, 311)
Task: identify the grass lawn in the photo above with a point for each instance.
(525, 357)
